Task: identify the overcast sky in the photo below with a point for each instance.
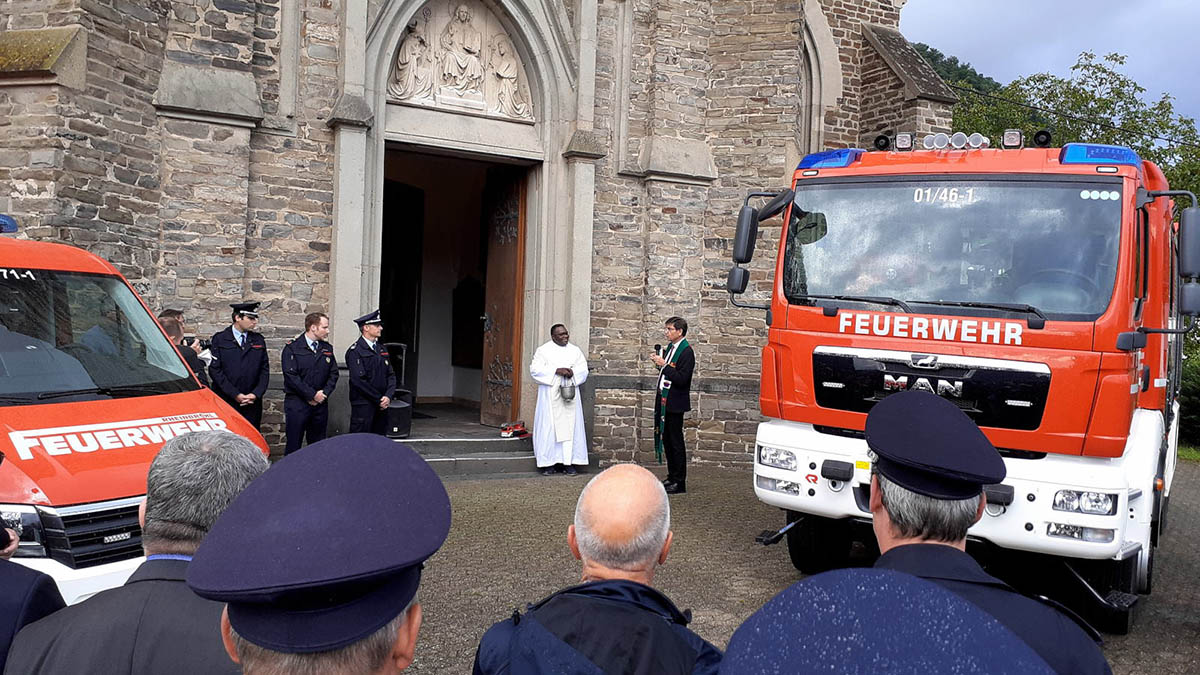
(1006, 39)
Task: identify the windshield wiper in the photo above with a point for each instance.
(876, 299)
(17, 398)
(73, 392)
(1038, 323)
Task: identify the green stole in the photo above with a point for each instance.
(660, 415)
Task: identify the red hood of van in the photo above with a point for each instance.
(61, 454)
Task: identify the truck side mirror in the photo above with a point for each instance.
(1189, 298)
(1189, 243)
(738, 279)
(776, 205)
(747, 232)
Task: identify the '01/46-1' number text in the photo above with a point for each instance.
(940, 195)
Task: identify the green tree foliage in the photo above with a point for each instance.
(1097, 103)
(951, 70)
(1189, 402)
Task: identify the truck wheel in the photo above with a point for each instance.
(1145, 570)
(818, 544)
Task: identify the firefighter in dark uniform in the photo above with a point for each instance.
(930, 465)
(310, 373)
(372, 381)
(240, 370)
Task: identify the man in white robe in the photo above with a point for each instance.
(558, 434)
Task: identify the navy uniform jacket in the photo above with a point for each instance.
(304, 372)
(194, 362)
(235, 370)
(614, 626)
(371, 376)
(25, 596)
(152, 624)
(679, 396)
(1055, 636)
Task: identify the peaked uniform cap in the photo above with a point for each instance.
(327, 546)
(365, 319)
(247, 308)
(926, 444)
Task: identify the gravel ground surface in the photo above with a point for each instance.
(507, 547)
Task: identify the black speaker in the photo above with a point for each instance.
(399, 415)
(1042, 139)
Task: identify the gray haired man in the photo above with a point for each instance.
(614, 621)
(154, 623)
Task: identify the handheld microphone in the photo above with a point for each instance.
(658, 350)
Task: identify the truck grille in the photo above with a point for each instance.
(93, 534)
(995, 393)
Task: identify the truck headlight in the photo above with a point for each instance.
(784, 486)
(25, 521)
(1081, 501)
(1092, 534)
(780, 459)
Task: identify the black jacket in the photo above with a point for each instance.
(679, 396)
(371, 376)
(615, 626)
(153, 624)
(194, 362)
(239, 370)
(25, 596)
(305, 371)
(1056, 637)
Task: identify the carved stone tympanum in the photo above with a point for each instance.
(470, 64)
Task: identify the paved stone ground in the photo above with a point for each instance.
(507, 547)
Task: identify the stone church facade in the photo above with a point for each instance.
(216, 150)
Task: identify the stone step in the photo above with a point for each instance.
(481, 464)
(462, 447)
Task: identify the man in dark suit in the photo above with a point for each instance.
(239, 370)
(674, 399)
(25, 595)
(372, 381)
(154, 623)
(354, 517)
(310, 373)
(931, 463)
(174, 330)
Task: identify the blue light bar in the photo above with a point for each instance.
(8, 224)
(1094, 153)
(831, 159)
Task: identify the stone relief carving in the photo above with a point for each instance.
(471, 65)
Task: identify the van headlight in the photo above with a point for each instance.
(24, 519)
(1082, 501)
(780, 459)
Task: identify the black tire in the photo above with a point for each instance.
(817, 544)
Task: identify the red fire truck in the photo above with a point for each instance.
(1040, 289)
(90, 389)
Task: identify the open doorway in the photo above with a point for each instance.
(451, 286)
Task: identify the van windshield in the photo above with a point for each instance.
(1049, 244)
(73, 337)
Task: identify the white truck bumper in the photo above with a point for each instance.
(81, 584)
(1029, 523)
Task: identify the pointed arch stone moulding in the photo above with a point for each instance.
(456, 56)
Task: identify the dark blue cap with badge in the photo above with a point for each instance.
(250, 309)
(874, 621)
(327, 546)
(924, 443)
(365, 319)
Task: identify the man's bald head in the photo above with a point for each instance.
(622, 519)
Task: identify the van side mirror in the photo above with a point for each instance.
(739, 278)
(747, 232)
(1189, 243)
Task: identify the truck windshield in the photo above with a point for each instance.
(1050, 245)
(71, 337)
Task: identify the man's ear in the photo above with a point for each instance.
(227, 635)
(876, 501)
(142, 513)
(406, 639)
(572, 542)
(662, 556)
(982, 506)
